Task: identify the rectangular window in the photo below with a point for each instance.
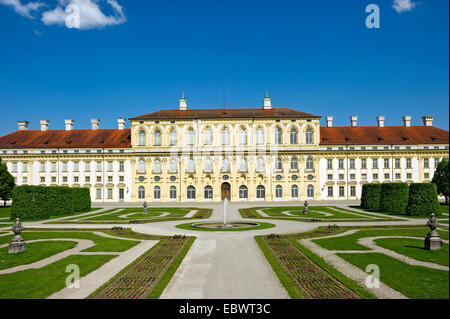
(53, 179)
(341, 164)
(386, 163)
(330, 191)
(352, 163)
(121, 178)
(121, 166)
(64, 166)
(75, 166)
(87, 166)
(99, 178)
(42, 179)
(353, 191)
(408, 175)
(110, 179)
(363, 163)
(25, 167)
(341, 191)
(352, 176)
(426, 163)
(42, 167)
(363, 176)
(24, 180)
(436, 162)
(99, 166)
(408, 163)
(386, 176)
(110, 166)
(53, 166)
(75, 179)
(330, 164)
(427, 175)
(397, 163)
(341, 176)
(14, 167)
(375, 176)
(64, 179)
(87, 179)
(398, 176)
(98, 194)
(110, 193)
(375, 163)
(330, 176)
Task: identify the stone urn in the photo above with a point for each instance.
(433, 241)
(306, 209)
(144, 212)
(17, 245)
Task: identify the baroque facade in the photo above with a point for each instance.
(271, 154)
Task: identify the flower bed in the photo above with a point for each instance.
(139, 279)
(312, 281)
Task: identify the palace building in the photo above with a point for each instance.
(271, 154)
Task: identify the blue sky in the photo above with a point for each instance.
(314, 56)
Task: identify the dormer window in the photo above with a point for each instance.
(324, 139)
(380, 139)
(434, 139)
(348, 139)
(405, 138)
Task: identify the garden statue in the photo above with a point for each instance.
(433, 241)
(17, 244)
(306, 209)
(145, 208)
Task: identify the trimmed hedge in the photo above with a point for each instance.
(394, 198)
(423, 200)
(370, 196)
(41, 202)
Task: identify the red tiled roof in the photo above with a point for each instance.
(373, 135)
(225, 113)
(108, 138)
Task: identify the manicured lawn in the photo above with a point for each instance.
(189, 227)
(41, 283)
(102, 243)
(34, 252)
(314, 212)
(349, 242)
(412, 281)
(444, 208)
(414, 248)
(5, 212)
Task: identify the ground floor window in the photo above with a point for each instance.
(341, 191)
(310, 191)
(294, 191)
(141, 192)
(173, 192)
(278, 192)
(243, 192)
(260, 192)
(191, 192)
(352, 190)
(157, 192)
(98, 194)
(121, 194)
(330, 191)
(208, 192)
(110, 193)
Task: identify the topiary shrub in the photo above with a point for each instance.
(370, 196)
(81, 199)
(423, 200)
(394, 198)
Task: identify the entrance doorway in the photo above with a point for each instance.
(226, 191)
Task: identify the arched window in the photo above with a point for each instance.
(225, 165)
(141, 166)
(157, 166)
(173, 165)
(173, 137)
(278, 136)
(259, 136)
(242, 136)
(310, 191)
(157, 138)
(173, 192)
(260, 192)
(260, 164)
(208, 136)
(157, 192)
(294, 164)
(293, 136)
(242, 164)
(278, 192)
(190, 137)
(309, 163)
(191, 192)
(141, 192)
(208, 192)
(309, 136)
(278, 164)
(294, 191)
(208, 165)
(225, 136)
(191, 165)
(243, 192)
(141, 141)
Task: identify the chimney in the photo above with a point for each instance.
(380, 120)
(121, 123)
(267, 102)
(354, 121)
(183, 103)
(69, 125)
(23, 125)
(428, 120)
(407, 120)
(329, 121)
(95, 123)
(44, 125)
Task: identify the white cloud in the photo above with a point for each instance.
(91, 16)
(403, 5)
(23, 9)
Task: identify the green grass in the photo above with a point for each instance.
(41, 283)
(137, 214)
(104, 244)
(314, 212)
(5, 212)
(158, 290)
(412, 281)
(444, 208)
(415, 249)
(34, 252)
(349, 242)
(286, 281)
(189, 227)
